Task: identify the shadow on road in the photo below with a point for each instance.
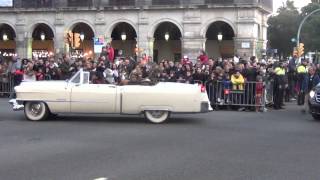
(118, 119)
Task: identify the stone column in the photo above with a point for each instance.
(245, 42)
(59, 42)
(21, 36)
(21, 48)
(145, 45)
(144, 41)
(101, 33)
(192, 41)
(191, 47)
(29, 41)
(150, 46)
(59, 39)
(245, 47)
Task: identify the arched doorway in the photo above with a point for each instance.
(42, 41)
(80, 41)
(124, 39)
(220, 40)
(7, 42)
(167, 42)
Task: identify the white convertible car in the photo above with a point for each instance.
(77, 95)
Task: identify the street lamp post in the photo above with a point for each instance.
(301, 24)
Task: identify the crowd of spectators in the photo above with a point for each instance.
(231, 73)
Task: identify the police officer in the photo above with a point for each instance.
(302, 74)
(292, 71)
(279, 85)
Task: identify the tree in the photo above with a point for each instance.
(283, 27)
(310, 32)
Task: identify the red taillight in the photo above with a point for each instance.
(202, 88)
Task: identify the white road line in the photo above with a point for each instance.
(101, 178)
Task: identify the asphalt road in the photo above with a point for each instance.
(277, 145)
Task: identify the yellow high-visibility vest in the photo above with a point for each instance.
(302, 69)
(280, 71)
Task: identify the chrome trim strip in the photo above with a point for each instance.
(64, 101)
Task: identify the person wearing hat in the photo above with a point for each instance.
(279, 85)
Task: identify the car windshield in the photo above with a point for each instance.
(86, 77)
(76, 78)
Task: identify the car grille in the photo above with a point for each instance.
(318, 97)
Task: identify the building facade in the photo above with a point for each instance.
(160, 28)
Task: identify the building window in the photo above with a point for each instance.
(37, 3)
(122, 2)
(219, 1)
(165, 2)
(79, 3)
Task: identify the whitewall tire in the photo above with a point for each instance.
(156, 117)
(36, 111)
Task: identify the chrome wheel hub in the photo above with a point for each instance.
(157, 114)
(35, 109)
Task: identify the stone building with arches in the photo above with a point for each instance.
(162, 29)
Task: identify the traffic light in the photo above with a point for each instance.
(77, 40)
(300, 49)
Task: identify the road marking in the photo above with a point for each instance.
(101, 178)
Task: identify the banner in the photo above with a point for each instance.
(99, 42)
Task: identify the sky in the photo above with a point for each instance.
(278, 3)
(6, 2)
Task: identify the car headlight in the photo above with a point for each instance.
(312, 94)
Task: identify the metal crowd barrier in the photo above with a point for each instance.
(224, 93)
(6, 85)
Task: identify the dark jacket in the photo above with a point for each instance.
(292, 65)
(310, 82)
(250, 74)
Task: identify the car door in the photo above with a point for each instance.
(93, 98)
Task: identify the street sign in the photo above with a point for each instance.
(245, 45)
